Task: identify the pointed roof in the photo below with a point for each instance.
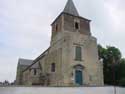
(70, 8)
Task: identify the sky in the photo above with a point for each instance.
(25, 29)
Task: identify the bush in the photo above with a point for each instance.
(122, 82)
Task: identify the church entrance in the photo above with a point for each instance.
(78, 77)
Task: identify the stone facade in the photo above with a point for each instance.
(29, 78)
(72, 58)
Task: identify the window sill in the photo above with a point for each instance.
(78, 60)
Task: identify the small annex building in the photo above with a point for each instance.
(22, 65)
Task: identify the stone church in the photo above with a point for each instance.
(72, 58)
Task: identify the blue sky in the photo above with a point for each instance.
(25, 29)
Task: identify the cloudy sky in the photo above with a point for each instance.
(25, 29)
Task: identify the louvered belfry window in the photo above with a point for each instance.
(78, 53)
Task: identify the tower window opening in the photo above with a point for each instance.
(56, 27)
(76, 25)
(53, 66)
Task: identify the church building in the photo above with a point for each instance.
(72, 58)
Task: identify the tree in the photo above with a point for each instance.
(114, 54)
(111, 61)
(121, 72)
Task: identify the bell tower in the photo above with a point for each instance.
(79, 61)
(69, 20)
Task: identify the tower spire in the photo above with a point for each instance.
(70, 8)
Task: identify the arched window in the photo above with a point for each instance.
(76, 25)
(35, 71)
(56, 27)
(53, 66)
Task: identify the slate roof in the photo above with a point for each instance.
(36, 65)
(70, 8)
(25, 62)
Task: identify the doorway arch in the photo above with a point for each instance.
(79, 74)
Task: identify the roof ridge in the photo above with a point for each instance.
(25, 61)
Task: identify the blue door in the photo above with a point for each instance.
(78, 77)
